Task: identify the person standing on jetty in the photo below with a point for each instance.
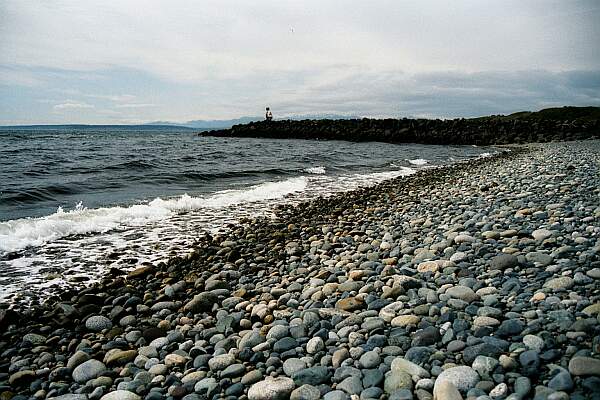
(268, 115)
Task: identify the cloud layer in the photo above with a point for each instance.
(137, 61)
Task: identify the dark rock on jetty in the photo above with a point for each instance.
(478, 281)
(479, 131)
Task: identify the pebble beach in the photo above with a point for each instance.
(479, 280)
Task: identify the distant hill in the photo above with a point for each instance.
(228, 123)
(83, 127)
(567, 113)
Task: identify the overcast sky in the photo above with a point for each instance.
(138, 61)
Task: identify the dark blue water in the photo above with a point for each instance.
(70, 196)
(41, 170)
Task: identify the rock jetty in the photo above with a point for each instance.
(479, 131)
(476, 281)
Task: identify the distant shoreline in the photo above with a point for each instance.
(569, 123)
(86, 126)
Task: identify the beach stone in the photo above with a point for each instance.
(503, 261)
(418, 354)
(351, 385)
(500, 391)
(21, 377)
(335, 395)
(464, 239)
(594, 273)
(458, 257)
(98, 323)
(140, 272)
(540, 258)
(119, 357)
(220, 362)
(463, 293)
(338, 357)
(293, 365)
(163, 305)
(462, 377)
(428, 266)
(541, 234)
(560, 283)
(401, 364)
(397, 379)
(233, 371)
(121, 395)
(533, 342)
(510, 328)
(405, 320)
(485, 321)
(159, 343)
(277, 332)
(522, 386)
(530, 362)
(592, 310)
(88, 370)
(200, 302)
(34, 338)
(562, 381)
(370, 359)
(372, 377)
(69, 396)
(311, 376)
(426, 337)
(77, 358)
(251, 339)
(402, 394)
(315, 345)
(285, 344)
(539, 296)
(306, 392)
(175, 360)
(484, 365)
(445, 390)
(252, 377)
(193, 377)
(271, 389)
(349, 304)
(582, 366)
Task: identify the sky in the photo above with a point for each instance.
(129, 61)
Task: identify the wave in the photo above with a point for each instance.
(358, 180)
(319, 170)
(381, 176)
(21, 233)
(231, 174)
(38, 194)
(133, 164)
(418, 161)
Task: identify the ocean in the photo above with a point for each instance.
(76, 201)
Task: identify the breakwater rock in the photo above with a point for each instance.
(478, 281)
(480, 131)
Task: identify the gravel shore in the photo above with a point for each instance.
(478, 281)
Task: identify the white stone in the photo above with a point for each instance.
(271, 389)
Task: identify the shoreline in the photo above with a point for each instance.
(349, 283)
(295, 211)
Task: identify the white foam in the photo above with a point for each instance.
(315, 170)
(358, 180)
(418, 161)
(18, 234)
(484, 155)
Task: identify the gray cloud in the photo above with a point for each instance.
(148, 60)
(448, 94)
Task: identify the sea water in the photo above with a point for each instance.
(75, 201)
